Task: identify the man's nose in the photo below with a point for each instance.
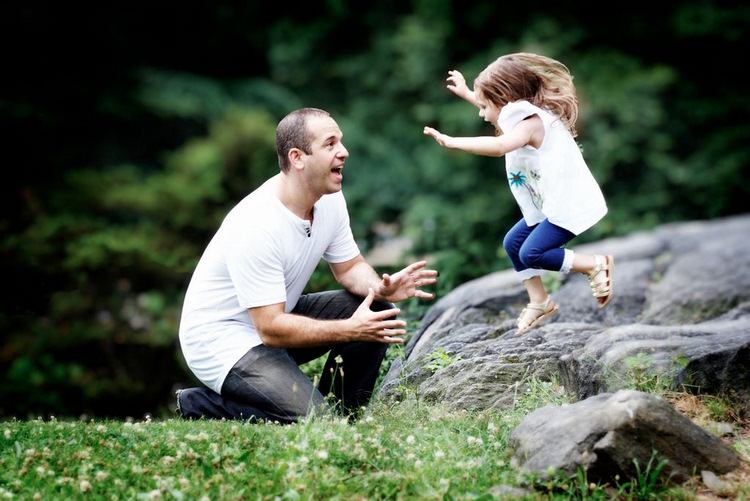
(343, 152)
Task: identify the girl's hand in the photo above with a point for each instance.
(457, 85)
(441, 138)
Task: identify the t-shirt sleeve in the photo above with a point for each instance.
(343, 247)
(512, 113)
(256, 270)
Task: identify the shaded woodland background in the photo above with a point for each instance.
(130, 129)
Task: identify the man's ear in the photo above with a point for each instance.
(296, 156)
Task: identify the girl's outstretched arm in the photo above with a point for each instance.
(527, 132)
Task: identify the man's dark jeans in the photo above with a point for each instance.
(267, 384)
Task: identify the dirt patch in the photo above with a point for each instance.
(711, 414)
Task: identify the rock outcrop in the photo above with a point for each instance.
(680, 315)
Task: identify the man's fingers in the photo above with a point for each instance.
(369, 298)
(393, 324)
(425, 281)
(383, 315)
(391, 340)
(415, 270)
(415, 266)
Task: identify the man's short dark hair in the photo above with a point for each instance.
(292, 133)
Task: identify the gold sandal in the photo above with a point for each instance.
(543, 311)
(602, 288)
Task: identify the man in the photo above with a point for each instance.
(245, 326)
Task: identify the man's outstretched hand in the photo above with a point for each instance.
(378, 326)
(407, 283)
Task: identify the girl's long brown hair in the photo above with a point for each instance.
(540, 80)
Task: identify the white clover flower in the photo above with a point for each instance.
(7, 434)
(439, 454)
(410, 439)
(474, 440)
(84, 486)
(202, 436)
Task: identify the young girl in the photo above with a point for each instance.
(532, 102)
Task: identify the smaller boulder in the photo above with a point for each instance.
(607, 435)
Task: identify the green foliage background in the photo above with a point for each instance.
(129, 131)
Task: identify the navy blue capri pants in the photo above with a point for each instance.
(538, 247)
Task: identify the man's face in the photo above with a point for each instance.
(325, 163)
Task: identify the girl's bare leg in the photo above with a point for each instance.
(540, 306)
(535, 288)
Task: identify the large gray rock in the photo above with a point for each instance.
(614, 436)
(681, 308)
(680, 316)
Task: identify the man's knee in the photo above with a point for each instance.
(201, 402)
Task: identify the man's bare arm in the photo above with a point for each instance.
(278, 329)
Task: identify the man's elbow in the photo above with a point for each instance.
(270, 340)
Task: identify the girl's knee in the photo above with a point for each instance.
(510, 245)
(531, 258)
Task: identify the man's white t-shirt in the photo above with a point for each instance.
(552, 182)
(261, 254)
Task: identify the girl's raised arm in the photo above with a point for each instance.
(457, 85)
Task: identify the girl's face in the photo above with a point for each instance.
(488, 111)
